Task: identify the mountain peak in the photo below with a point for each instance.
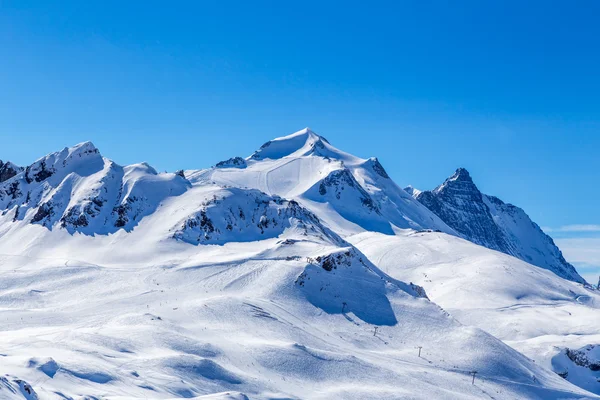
(414, 192)
(8, 170)
(86, 146)
(460, 182)
(461, 174)
(83, 155)
(488, 221)
(302, 142)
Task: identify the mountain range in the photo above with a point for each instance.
(300, 271)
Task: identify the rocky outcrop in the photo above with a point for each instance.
(8, 170)
(246, 215)
(235, 162)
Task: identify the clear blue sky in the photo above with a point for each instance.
(510, 90)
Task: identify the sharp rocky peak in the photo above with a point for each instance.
(8, 170)
(461, 175)
(489, 222)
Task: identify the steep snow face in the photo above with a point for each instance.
(530, 243)
(489, 222)
(349, 193)
(79, 190)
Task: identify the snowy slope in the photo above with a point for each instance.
(530, 308)
(488, 221)
(182, 286)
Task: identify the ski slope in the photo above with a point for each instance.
(528, 307)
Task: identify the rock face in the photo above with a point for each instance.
(580, 366)
(235, 162)
(489, 222)
(8, 170)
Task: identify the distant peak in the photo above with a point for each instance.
(83, 155)
(8, 170)
(460, 179)
(84, 148)
(412, 191)
(300, 142)
(462, 175)
(306, 132)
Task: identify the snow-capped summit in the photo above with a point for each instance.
(302, 143)
(83, 157)
(488, 221)
(351, 194)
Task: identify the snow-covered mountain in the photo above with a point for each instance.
(488, 221)
(79, 190)
(245, 280)
(349, 193)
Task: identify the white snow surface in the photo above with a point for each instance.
(528, 307)
(271, 278)
(349, 193)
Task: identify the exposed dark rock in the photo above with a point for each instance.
(38, 174)
(460, 204)
(8, 170)
(14, 190)
(332, 261)
(74, 219)
(337, 181)
(43, 213)
(580, 358)
(235, 162)
(378, 168)
(121, 210)
(487, 221)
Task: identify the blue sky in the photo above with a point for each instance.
(506, 89)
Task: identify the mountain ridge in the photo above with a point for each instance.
(241, 278)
